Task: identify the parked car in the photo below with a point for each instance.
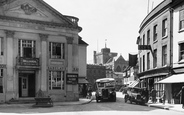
(105, 89)
(134, 94)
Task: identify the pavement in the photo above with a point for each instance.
(167, 106)
(28, 105)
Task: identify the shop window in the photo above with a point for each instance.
(1, 80)
(181, 19)
(164, 55)
(27, 48)
(56, 50)
(56, 80)
(164, 28)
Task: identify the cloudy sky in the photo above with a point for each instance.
(114, 21)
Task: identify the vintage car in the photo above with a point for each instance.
(105, 89)
(134, 94)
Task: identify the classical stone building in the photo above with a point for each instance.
(39, 50)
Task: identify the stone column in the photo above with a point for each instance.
(10, 67)
(43, 77)
(70, 55)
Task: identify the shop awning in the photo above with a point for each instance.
(134, 83)
(82, 80)
(178, 78)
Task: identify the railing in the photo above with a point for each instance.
(22, 61)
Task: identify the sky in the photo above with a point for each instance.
(112, 22)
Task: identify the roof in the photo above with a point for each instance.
(82, 42)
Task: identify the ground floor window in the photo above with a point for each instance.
(56, 80)
(1, 80)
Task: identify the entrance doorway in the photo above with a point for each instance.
(27, 84)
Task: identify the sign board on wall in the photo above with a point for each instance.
(71, 78)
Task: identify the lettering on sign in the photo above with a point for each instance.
(56, 68)
(72, 78)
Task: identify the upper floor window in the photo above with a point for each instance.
(181, 51)
(148, 61)
(1, 80)
(155, 58)
(164, 28)
(164, 55)
(143, 40)
(1, 46)
(143, 63)
(140, 67)
(181, 19)
(27, 48)
(148, 37)
(155, 33)
(56, 50)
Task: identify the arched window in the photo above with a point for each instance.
(118, 69)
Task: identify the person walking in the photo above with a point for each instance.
(153, 95)
(181, 93)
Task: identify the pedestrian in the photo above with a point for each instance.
(84, 90)
(89, 92)
(153, 95)
(163, 97)
(181, 93)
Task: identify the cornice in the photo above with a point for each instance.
(50, 24)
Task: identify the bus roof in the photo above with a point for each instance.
(105, 80)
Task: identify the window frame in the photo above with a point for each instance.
(155, 58)
(180, 52)
(155, 34)
(148, 37)
(164, 55)
(62, 50)
(50, 84)
(164, 28)
(24, 43)
(148, 60)
(2, 80)
(181, 20)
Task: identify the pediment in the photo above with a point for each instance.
(27, 9)
(34, 10)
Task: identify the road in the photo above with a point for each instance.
(93, 108)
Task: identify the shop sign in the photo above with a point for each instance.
(56, 68)
(29, 61)
(72, 78)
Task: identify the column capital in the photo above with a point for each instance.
(9, 33)
(43, 37)
(69, 40)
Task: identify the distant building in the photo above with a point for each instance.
(95, 72)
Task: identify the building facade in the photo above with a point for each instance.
(155, 62)
(39, 50)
